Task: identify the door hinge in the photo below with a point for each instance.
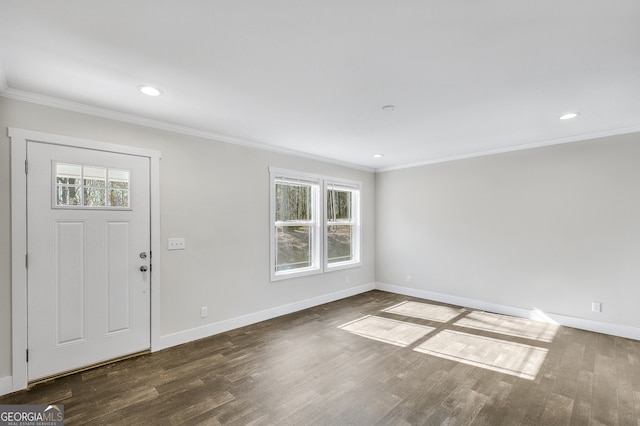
(27, 355)
(26, 261)
(26, 167)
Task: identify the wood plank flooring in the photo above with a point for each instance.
(313, 368)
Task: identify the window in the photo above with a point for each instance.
(342, 232)
(295, 231)
(78, 186)
(306, 238)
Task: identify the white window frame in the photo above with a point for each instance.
(315, 239)
(355, 188)
(319, 222)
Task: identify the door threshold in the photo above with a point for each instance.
(86, 368)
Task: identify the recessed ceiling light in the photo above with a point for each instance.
(569, 115)
(388, 108)
(378, 155)
(150, 91)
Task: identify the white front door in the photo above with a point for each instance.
(88, 237)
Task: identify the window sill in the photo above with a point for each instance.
(342, 265)
(279, 276)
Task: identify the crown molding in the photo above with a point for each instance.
(3, 79)
(558, 141)
(50, 101)
(36, 98)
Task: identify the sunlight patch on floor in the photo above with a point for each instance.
(387, 330)
(511, 358)
(425, 311)
(510, 326)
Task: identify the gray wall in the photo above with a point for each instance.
(551, 228)
(226, 262)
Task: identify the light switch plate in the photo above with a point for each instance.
(175, 244)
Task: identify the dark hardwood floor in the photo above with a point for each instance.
(351, 363)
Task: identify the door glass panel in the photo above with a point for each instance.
(95, 182)
(95, 176)
(80, 186)
(118, 188)
(68, 174)
(119, 197)
(68, 196)
(94, 197)
(119, 179)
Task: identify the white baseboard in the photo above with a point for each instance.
(581, 323)
(6, 385)
(233, 323)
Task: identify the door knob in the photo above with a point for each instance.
(143, 268)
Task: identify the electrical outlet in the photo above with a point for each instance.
(346, 279)
(409, 279)
(175, 244)
(596, 306)
(204, 311)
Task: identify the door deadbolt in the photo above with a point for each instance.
(143, 255)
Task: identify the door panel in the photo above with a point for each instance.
(69, 281)
(88, 300)
(118, 284)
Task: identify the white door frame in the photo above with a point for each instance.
(19, 320)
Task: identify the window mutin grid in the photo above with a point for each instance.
(79, 186)
(295, 226)
(320, 235)
(342, 227)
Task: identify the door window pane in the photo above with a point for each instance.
(95, 176)
(119, 198)
(94, 197)
(81, 186)
(95, 182)
(68, 174)
(68, 185)
(68, 196)
(119, 179)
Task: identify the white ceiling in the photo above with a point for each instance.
(466, 77)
